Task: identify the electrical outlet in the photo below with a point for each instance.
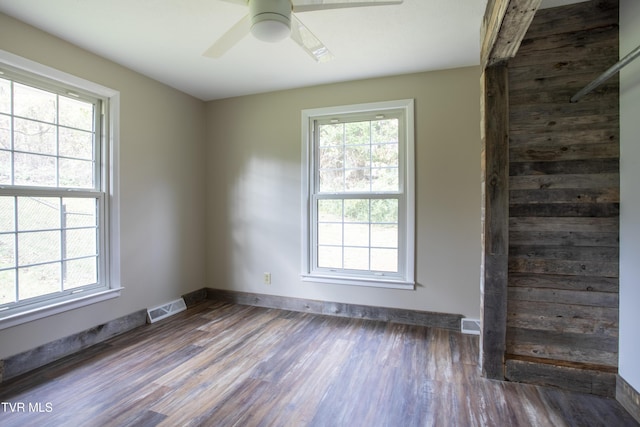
(267, 278)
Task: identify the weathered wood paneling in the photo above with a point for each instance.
(194, 298)
(565, 209)
(57, 349)
(602, 166)
(503, 27)
(562, 346)
(534, 182)
(582, 380)
(578, 283)
(357, 311)
(566, 314)
(495, 206)
(628, 397)
(573, 18)
(562, 321)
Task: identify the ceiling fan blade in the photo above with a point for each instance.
(310, 5)
(229, 39)
(307, 41)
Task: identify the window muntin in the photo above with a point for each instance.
(359, 209)
(53, 195)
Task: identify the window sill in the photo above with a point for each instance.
(351, 281)
(56, 308)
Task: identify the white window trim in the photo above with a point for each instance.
(408, 267)
(110, 174)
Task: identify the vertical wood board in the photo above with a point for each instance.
(495, 241)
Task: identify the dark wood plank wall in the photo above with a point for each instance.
(495, 218)
(562, 303)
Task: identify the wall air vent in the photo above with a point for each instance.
(470, 326)
(165, 310)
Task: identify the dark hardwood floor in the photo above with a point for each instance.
(221, 364)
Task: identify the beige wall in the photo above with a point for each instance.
(630, 196)
(162, 187)
(254, 191)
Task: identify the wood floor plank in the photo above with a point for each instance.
(221, 364)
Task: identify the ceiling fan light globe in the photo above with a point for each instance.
(271, 29)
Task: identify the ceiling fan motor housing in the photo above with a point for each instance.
(270, 19)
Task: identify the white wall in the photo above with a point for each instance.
(254, 193)
(162, 185)
(629, 367)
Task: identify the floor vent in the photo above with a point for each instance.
(165, 310)
(470, 326)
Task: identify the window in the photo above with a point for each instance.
(58, 225)
(358, 197)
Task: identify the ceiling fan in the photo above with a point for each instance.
(273, 20)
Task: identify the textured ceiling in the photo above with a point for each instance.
(165, 39)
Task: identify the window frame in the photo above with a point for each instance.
(405, 278)
(106, 172)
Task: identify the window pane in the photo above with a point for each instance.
(356, 210)
(357, 180)
(34, 170)
(331, 180)
(329, 234)
(356, 234)
(331, 158)
(34, 103)
(79, 212)
(38, 213)
(5, 167)
(357, 156)
(384, 235)
(76, 114)
(384, 210)
(7, 250)
(5, 96)
(385, 179)
(5, 132)
(7, 286)
(357, 133)
(79, 243)
(329, 257)
(38, 280)
(384, 131)
(384, 260)
(38, 247)
(356, 258)
(35, 137)
(80, 272)
(7, 214)
(76, 143)
(331, 134)
(76, 173)
(384, 155)
(330, 210)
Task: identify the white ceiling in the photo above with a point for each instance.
(165, 39)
